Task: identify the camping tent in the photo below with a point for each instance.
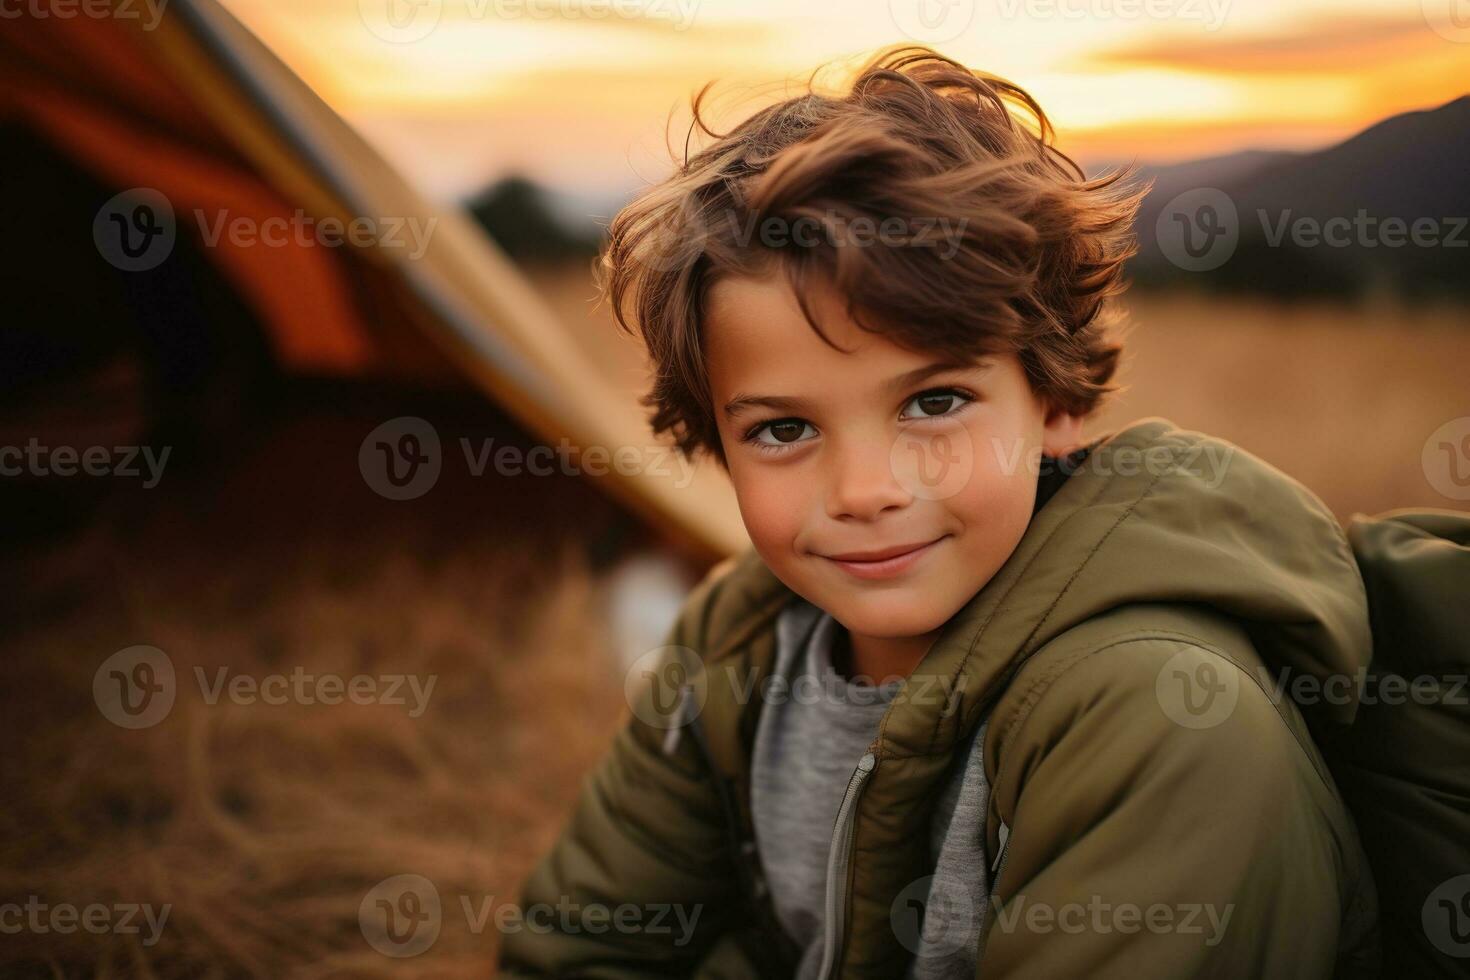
(202, 115)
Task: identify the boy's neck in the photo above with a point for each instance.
(879, 658)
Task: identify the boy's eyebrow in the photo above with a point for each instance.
(742, 402)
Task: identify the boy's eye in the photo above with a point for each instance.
(936, 401)
(782, 432)
(779, 434)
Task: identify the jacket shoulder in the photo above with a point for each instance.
(1173, 680)
(1150, 676)
(735, 598)
(1152, 768)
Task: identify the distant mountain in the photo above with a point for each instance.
(1281, 223)
(1317, 223)
(1170, 180)
(534, 224)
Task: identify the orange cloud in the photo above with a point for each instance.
(1340, 44)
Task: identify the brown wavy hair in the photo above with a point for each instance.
(1028, 256)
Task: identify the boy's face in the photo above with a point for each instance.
(859, 456)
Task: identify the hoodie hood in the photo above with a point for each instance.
(1157, 514)
(1153, 514)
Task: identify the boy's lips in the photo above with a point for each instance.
(883, 562)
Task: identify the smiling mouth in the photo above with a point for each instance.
(883, 562)
(881, 554)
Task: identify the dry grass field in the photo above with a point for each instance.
(263, 826)
(1342, 398)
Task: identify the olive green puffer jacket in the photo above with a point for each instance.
(1146, 774)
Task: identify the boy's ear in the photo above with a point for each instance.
(1061, 433)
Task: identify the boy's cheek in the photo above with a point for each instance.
(1008, 449)
(772, 509)
(934, 465)
(992, 509)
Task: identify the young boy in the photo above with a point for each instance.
(985, 697)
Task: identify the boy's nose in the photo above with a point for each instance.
(862, 484)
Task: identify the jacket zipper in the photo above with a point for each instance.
(839, 864)
(682, 717)
(1003, 836)
(996, 868)
(999, 865)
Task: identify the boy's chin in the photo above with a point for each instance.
(892, 615)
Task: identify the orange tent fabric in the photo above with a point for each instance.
(199, 110)
(86, 84)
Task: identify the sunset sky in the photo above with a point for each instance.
(579, 93)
